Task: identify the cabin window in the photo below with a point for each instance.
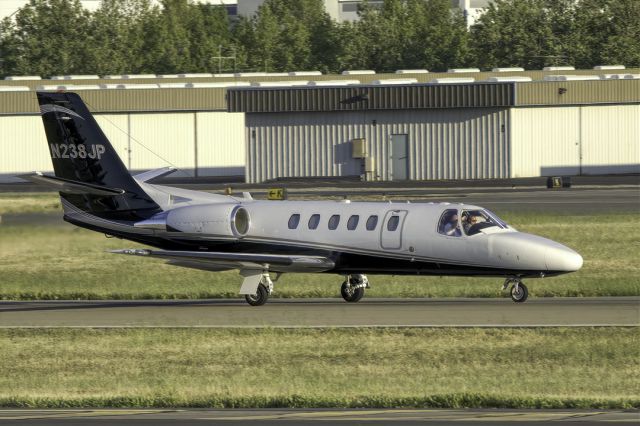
(393, 222)
(294, 220)
(449, 224)
(372, 222)
(334, 221)
(353, 222)
(314, 220)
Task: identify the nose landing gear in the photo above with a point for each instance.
(352, 289)
(519, 291)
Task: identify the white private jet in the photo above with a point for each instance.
(215, 232)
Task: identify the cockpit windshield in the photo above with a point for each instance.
(475, 220)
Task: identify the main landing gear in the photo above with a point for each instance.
(519, 291)
(352, 288)
(263, 291)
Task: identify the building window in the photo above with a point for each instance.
(353, 222)
(393, 222)
(334, 221)
(372, 222)
(314, 220)
(294, 220)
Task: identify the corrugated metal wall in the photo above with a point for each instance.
(23, 146)
(575, 140)
(610, 139)
(167, 139)
(544, 138)
(221, 145)
(443, 144)
(219, 150)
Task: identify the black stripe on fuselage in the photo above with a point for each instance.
(345, 262)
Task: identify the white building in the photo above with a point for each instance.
(339, 10)
(10, 7)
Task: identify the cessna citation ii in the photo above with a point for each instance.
(215, 232)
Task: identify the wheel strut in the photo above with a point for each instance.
(519, 291)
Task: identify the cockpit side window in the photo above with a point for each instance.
(473, 221)
(449, 223)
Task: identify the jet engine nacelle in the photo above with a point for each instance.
(228, 220)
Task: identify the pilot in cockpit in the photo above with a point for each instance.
(468, 220)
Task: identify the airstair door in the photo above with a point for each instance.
(391, 230)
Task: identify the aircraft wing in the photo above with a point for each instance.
(217, 261)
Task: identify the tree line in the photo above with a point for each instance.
(52, 37)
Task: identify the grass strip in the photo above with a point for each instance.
(29, 202)
(450, 401)
(443, 368)
(45, 263)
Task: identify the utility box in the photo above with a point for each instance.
(369, 164)
(358, 148)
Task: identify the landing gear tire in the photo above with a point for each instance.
(260, 298)
(351, 294)
(519, 292)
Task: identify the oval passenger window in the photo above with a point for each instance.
(392, 225)
(353, 222)
(314, 220)
(294, 220)
(372, 222)
(334, 221)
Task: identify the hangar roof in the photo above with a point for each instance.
(144, 93)
(426, 96)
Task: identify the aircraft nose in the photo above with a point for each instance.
(562, 259)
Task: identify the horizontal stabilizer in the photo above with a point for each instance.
(153, 174)
(70, 186)
(224, 260)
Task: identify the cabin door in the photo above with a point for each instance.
(391, 230)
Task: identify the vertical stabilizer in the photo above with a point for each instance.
(82, 153)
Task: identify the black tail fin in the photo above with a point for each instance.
(82, 153)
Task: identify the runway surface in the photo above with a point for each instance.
(307, 417)
(310, 313)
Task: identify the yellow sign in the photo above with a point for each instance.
(277, 194)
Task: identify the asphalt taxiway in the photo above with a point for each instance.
(315, 313)
(239, 417)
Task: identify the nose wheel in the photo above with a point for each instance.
(519, 291)
(352, 289)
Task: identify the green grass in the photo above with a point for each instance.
(585, 368)
(29, 202)
(56, 262)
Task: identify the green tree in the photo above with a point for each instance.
(407, 34)
(513, 33)
(117, 36)
(440, 40)
(286, 35)
(185, 37)
(48, 38)
(9, 52)
(607, 32)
